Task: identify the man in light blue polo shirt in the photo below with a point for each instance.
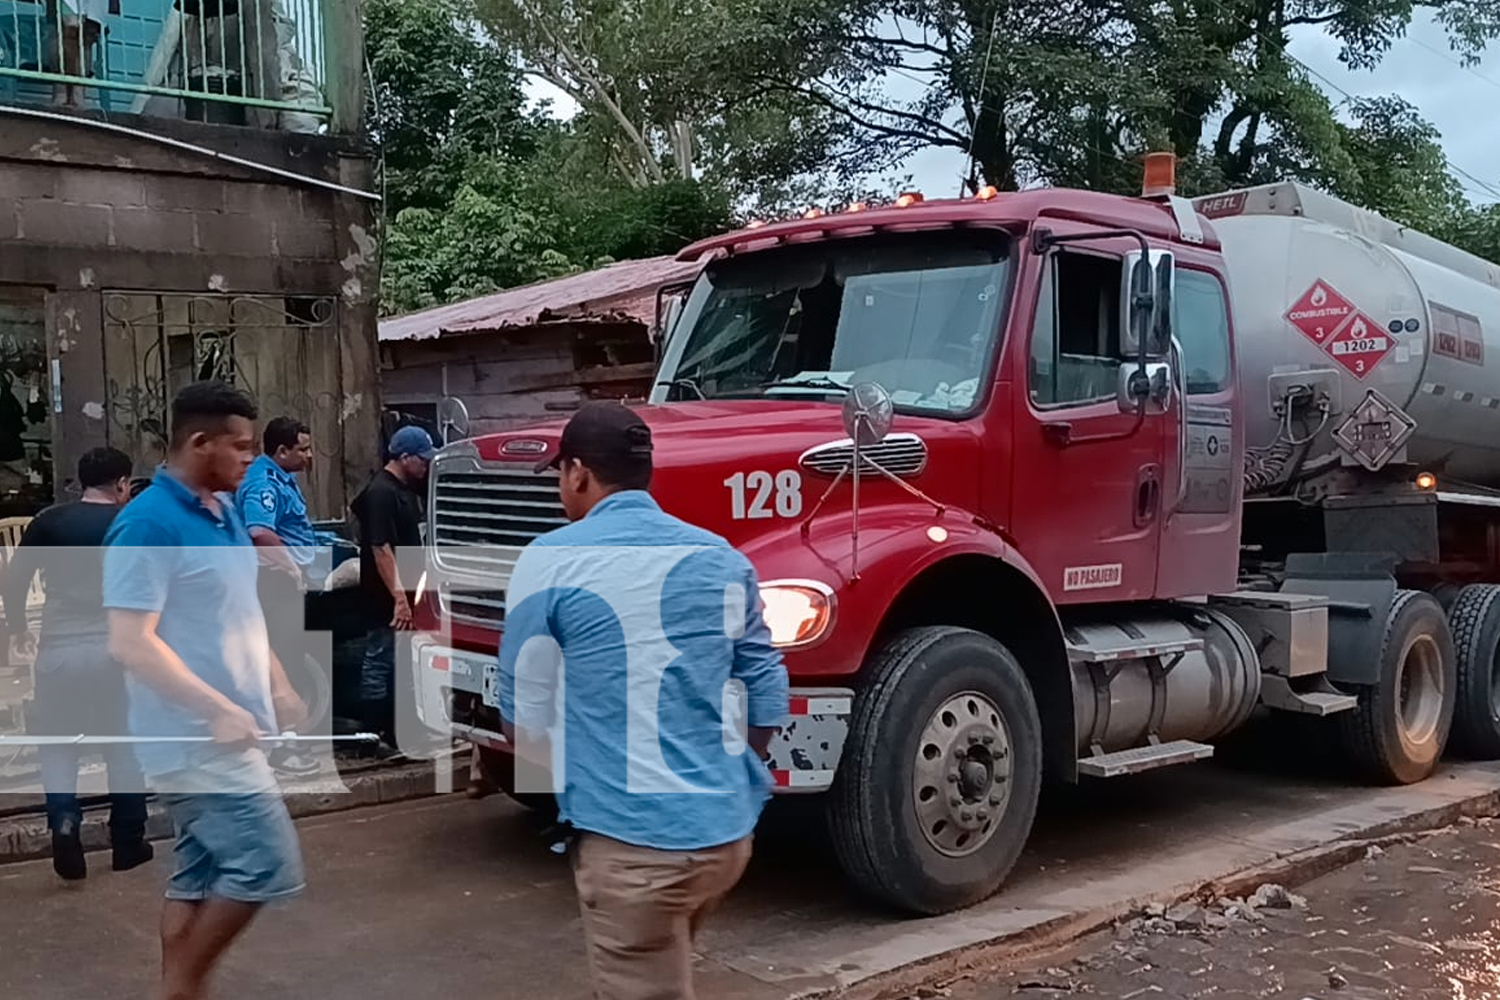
(637, 668)
(185, 620)
(275, 512)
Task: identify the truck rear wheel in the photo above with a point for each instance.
(1399, 729)
(938, 787)
(1475, 619)
(500, 767)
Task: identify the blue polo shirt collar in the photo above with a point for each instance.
(276, 472)
(187, 497)
(625, 500)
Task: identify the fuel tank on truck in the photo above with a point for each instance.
(1322, 286)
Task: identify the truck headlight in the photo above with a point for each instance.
(798, 612)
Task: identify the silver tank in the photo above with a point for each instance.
(1435, 307)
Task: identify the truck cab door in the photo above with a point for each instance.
(1089, 473)
(1201, 530)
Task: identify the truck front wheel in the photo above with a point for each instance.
(938, 787)
(1398, 731)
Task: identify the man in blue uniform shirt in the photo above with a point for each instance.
(658, 627)
(185, 621)
(275, 512)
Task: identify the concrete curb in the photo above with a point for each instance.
(1052, 931)
(25, 837)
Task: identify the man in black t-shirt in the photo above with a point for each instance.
(79, 688)
(389, 510)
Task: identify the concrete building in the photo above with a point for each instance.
(184, 193)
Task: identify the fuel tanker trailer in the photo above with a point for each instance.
(1052, 485)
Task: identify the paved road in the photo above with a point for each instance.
(1418, 921)
(447, 897)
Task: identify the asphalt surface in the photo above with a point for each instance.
(1414, 921)
(448, 897)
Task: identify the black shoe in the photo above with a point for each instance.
(67, 855)
(132, 854)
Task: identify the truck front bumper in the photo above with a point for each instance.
(456, 694)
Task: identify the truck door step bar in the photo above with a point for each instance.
(1146, 758)
(1276, 692)
(1131, 651)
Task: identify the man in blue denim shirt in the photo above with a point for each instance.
(634, 649)
(185, 620)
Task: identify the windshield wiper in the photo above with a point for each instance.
(822, 383)
(690, 383)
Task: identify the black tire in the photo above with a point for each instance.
(500, 767)
(315, 687)
(876, 819)
(1397, 733)
(1475, 620)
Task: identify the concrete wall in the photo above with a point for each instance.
(86, 213)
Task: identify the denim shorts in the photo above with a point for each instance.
(236, 843)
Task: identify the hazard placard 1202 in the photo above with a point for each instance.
(1359, 345)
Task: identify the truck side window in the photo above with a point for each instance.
(1201, 322)
(1075, 339)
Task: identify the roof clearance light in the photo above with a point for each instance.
(1160, 176)
(908, 199)
(857, 206)
(755, 223)
(1426, 481)
(812, 213)
(987, 193)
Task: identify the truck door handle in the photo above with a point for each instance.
(1147, 494)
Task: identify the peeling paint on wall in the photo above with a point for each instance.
(93, 410)
(86, 278)
(48, 149)
(353, 403)
(353, 291)
(218, 283)
(67, 329)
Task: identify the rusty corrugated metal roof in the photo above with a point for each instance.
(625, 290)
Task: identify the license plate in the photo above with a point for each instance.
(491, 691)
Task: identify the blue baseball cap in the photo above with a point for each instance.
(411, 440)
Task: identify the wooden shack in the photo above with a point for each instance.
(530, 353)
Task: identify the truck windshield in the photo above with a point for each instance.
(920, 315)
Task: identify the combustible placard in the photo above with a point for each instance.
(1359, 345)
(1319, 312)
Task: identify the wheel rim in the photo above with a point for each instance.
(961, 784)
(1495, 685)
(1420, 689)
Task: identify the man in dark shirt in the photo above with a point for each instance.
(79, 688)
(389, 510)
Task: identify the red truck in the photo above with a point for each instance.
(1131, 470)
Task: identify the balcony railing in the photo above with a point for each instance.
(227, 61)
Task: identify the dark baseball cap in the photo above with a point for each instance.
(412, 440)
(603, 434)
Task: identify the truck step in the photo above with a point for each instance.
(1276, 692)
(1080, 653)
(1147, 758)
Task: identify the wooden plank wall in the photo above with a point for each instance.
(516, 377)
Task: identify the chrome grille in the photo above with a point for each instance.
(899, 454)
(492, 513)
(487, 609)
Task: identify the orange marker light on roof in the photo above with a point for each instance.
(812, 213)
(1161, 175)
(908, 199)
(755, 223)
(987, 193)
(857, 206)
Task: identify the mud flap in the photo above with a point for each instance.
(1360, 587)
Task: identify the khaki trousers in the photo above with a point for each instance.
(642, 909)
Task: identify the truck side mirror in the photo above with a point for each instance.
(1146, 304)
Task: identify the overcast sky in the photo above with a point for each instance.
(1464, 104)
